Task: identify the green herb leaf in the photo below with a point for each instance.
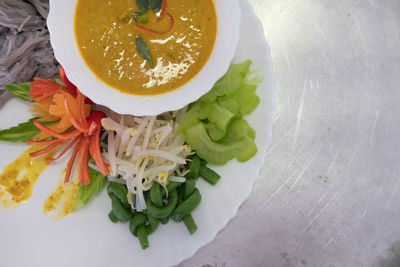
(143, 50)
(155, 5)
(143, 5)
(20, 90)
(87, 192)
(21, 132)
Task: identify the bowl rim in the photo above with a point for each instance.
(60, 23)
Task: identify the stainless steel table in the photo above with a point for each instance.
(329, 193)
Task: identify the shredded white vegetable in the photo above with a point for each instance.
(177, 179)
(144, 150)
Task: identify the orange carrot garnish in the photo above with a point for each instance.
(83, 159)
(74, 121)
(50, 160)
(71, 162)
(71, 87)
(41, 143)
(69, 135)
(71, 105)
(46, 149)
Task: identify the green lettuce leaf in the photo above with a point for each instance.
(21, 133)
(87, 192)
(20, 90)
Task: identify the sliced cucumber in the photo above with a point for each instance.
(217, 153)
(214, 125)
(220, 116)
(214, 132)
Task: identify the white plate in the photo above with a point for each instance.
(88, 238)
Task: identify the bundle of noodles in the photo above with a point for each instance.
(25, 49)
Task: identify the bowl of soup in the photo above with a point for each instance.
(144, 57)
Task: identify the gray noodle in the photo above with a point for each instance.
(25, 50)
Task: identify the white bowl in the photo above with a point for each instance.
(60, 23)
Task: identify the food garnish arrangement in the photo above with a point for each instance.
(149, 165)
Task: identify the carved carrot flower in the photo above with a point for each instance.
(49, 103)
(68, 105)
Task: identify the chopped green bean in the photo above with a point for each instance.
(138, 218)
(112, 217)
(165, 211)
(153, 224)
(120, 191)
(171, 186)
(193, 167)
(123, 214)
(190, 224)
(188, 188)
(142, 235)
(156, 195)
(164, 220)
(209, 175)
(187, 206)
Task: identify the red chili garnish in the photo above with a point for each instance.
(142, 29)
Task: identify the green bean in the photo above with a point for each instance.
(120, 191)
(153, 224)
(164, 211)
(156, 196)
(171, 186)
(187, 206)
(190, 224)
(112, 217)
(188, 188)
(142, 235)
(193, 167)
(164, 220)
(138, 219)
(119, 210)
(209, 175)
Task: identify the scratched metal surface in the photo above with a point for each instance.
(329, 193)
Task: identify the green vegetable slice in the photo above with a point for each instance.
(22, 132)
(220, 116)
(209, 175)
(87, 192)
(187, 206)
(193, 167)
(219, 153)
(112, 217)
(120, 191)
(214, 132)
(20, 90)
(237, 130)
(229, 83)
(190, 224)
(230, 103)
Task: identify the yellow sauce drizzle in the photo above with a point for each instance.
(61, 201)
(19, 177)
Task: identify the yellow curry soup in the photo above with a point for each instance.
(180, 40)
